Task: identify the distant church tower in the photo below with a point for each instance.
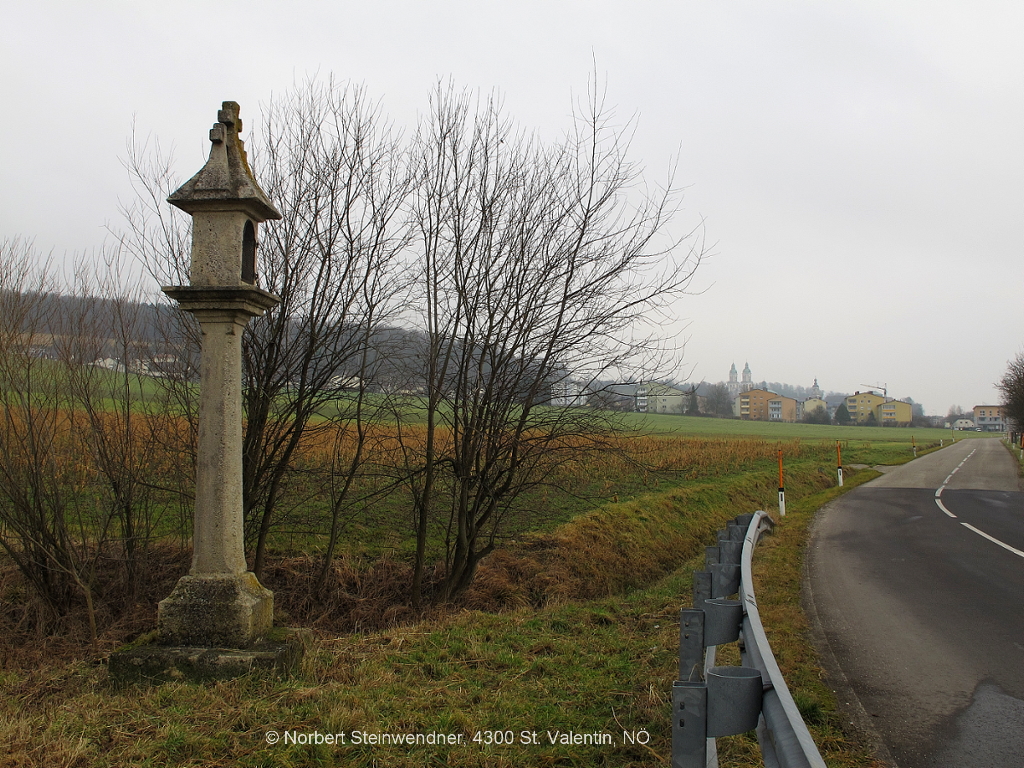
(737, 387)
(816, 390)
(734, 384)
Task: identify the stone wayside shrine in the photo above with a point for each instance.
(218, 620)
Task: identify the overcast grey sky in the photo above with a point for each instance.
(858, 165)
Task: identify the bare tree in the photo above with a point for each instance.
(819, 415)
(35, 454)
(107, 350)
(157, 236)
(1011, 387)
(956, 412)
(80, 448)
(540, 266)
(334, 168)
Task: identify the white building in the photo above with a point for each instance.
(567, 394)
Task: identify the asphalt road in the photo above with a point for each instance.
(916, 585)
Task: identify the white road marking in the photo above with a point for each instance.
(941, 488)
(938, 501)
(994, 540)
(943, 507)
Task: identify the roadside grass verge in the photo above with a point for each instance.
(778, 578)
(778, 574)
(1017, 452)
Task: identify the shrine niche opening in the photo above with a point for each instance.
(249, 253)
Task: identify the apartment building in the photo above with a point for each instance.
(763, 405)
(655, 397)
(863, 405)
(895, 413)
(782, 408)
(989, 418)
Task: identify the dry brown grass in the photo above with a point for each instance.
(31, 636)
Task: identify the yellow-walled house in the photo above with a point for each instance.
(753, 404)
(895, 412)
(809, 405)
(863, 405)
(782, 408)
(762, 405)
(989, 418)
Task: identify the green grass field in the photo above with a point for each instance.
(697, 425)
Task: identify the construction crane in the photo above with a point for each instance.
(885, 392)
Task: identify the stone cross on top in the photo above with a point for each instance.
(220, 603)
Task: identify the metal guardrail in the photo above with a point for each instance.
(710, 701)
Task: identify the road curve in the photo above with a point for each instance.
(915, 583)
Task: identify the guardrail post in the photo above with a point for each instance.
(725, 579)
(712, 556)
(691, 643)
(722, 562)
(701, 588)
(730, 552)
(732, 532)
(689, 724)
